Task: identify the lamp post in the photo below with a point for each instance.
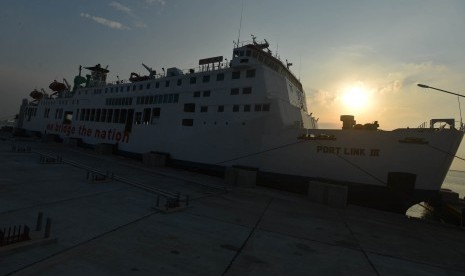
(458, 98)
(434, 88)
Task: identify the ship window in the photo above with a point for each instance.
(151, 100)
(146, 100)
(138, 100)
(129, 101)
(167, 83)
(128, 88)
(179, 82)
(247, 108)
(116, 116)
(134, 87)
(138, 119)
(123, 115)
(250, 73)
(196, 94)
(206, 78)
(234, 91)
(141, 87)
(109, 115)
(156, 112)
(82, 115)
(165, 98)
(247, 90)
(258, 107)
(157, 85)
(157, 99)
(148, 86)
(236, 108)
(187, 122)
(111, 90)
(189, 107)
(241, 53)
(204, 108)
(103, 115)
(247, 53)
(87, 115)
(244, 60)
(193, 80)
(97, 115)
(266, 107)
(236, 75)
(220, 108)
(106, 90)
(206, 93)
(220, 77)
(92, 114)
(176, 98)
(171, 98)
(67, 120)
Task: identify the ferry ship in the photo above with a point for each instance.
(249, 112)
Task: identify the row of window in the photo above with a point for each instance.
(158, 99)
(30, 112)
(118, 101)
(192, 80)
(59, 102)
(190, 122)
(190, 108)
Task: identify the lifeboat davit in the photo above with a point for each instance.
(57, 86)
(36, 95)
(136, 77)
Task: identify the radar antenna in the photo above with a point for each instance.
(240, 24)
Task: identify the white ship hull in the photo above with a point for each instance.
(263, 125)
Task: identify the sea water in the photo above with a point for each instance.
(455, 181)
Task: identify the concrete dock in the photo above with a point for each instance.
(112, 228)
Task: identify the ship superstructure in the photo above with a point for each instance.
(250, 111)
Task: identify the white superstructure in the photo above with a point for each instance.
(250, 111)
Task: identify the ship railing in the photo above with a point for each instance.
(198, 69)
(423, 125)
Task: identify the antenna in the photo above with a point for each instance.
(240, 24)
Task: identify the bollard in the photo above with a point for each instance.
(48, 225)
(39, 221)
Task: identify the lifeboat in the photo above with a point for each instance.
(36, 95)
(136, 77)
(57, 86)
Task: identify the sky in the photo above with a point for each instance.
(358, 57)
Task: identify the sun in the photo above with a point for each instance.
(355, 97)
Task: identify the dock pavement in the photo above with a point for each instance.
(115, 228)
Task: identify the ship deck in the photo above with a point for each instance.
(111, 228)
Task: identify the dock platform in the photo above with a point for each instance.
(112, 228)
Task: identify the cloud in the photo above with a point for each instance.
(120, 7)
(137, 22)
(106, 22)
(161, 2)
(321, 97)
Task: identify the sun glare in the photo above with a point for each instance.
(355, 97)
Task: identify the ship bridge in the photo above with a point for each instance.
(247, 54)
